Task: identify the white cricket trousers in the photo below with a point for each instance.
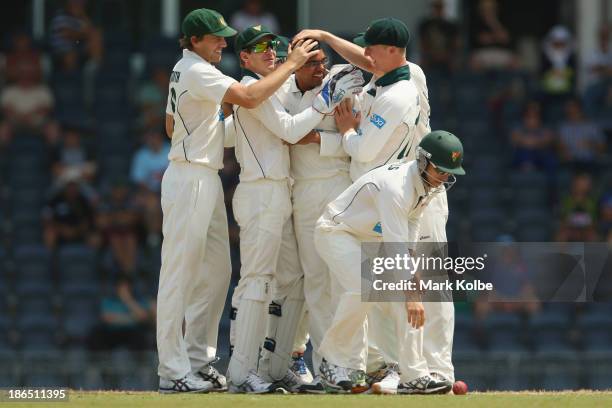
(439, 316)
(269, 265)
(195, 271)
(310, 197)
(268, 247)
(346, 341)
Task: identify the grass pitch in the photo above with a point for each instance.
(105, 399)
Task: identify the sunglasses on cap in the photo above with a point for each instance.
(264, 46)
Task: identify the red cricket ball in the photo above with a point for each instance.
(460, 388)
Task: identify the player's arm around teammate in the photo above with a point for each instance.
(262, 207)
(195, 270)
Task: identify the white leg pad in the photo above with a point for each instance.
(283, 320)
(250, 329)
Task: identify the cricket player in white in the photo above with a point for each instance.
(321, 172)
(382, 132)
(385, 204)
(262, 208)
(439, 327)
(439, 324)
(195, 270)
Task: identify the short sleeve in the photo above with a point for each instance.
(169, 109)
(208, 83)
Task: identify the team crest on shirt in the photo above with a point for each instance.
(455, 156)
(377, 228)
(377, 120)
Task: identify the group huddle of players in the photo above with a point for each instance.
(328, 162)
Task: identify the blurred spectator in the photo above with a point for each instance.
(73, 38)
(582, 142)
(439, 40)
(67, 217)
(73, 161)
(22, 54)
(251, 14)
(605, 217)
(152, 98)
(599, 62)
(558, 68)
(126, 318)
(534, 144)
(578, 211)
(150, 161)
(513, 288)
(148, 166)
(490, 40)
(27, 106)
(117, 221)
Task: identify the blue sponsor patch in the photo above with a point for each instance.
(378, 121)
(377, 228)
(221, 115)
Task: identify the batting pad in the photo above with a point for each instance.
(250, 330)
(284, 316)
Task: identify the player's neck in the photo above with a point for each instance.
(395, 65)
(300, 86)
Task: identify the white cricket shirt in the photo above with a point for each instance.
(313, 161)
(194, 100)
(260, 133)
(384, 204)
(388, 122)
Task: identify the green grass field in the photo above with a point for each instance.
(577, 399)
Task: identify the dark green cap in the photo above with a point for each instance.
(251, 36)
(384, 31)
(205, 21)
(445, 150)
(283, 47)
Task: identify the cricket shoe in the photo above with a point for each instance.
(441, 378)
(424, 385)
(376, 375)
(359, 381)
(389, 382)
(187, 384)
(314, 387)
(300, 368)
(336, 379)
(291, 382)
(211, 374)
(253, 384)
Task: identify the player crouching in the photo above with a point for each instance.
(385, 205)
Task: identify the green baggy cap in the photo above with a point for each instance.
(283, 47)
(205, 21)
(384, 31)
(251, 36)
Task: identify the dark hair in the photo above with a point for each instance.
(185, 42)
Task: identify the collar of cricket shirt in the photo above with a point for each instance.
(293, 86)
(248, 72)
(398, 74)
